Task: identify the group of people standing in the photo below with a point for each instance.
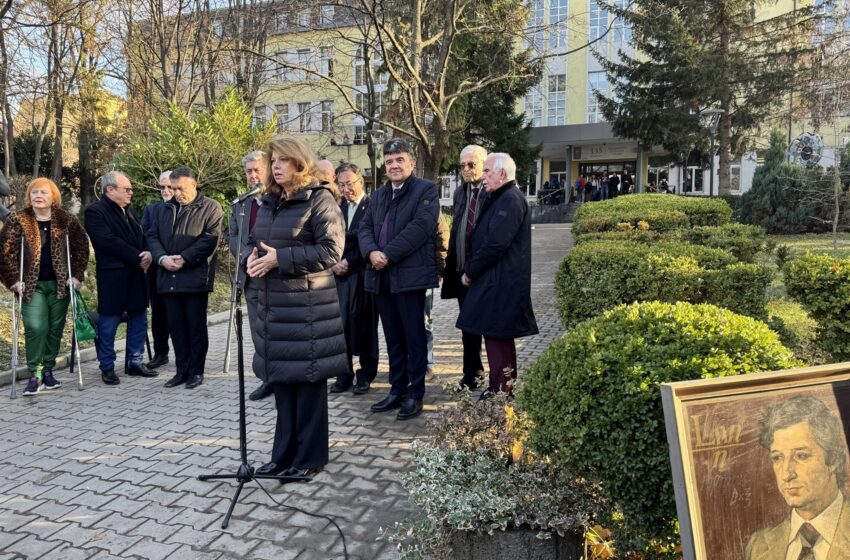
(602, 186)
(317, 273)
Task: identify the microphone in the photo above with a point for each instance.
(246, 195)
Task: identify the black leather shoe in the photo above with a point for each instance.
(261, 392)
(361, 388)
(309, 473)
(411, 408)
(140, 370)
(109, 377)
(340, 387)
(194, 381)
(270, 468)
(389, 403)
(175, 381)
(158, 360)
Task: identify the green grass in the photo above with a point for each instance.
(816, 243)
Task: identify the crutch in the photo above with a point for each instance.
(75, 344)
(17, 305)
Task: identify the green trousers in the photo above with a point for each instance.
(44, 322)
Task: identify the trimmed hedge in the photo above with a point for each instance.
(594, 399)
(599, 275)
(821, 283)
(663, 212)
(743, 241)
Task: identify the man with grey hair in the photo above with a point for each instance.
(498, 272)
(326, 174)
(468, 200)
(122, 261)
(159, 320)
(254, 165)
(809, 458)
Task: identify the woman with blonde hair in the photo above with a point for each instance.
(297, 329)
(43, 226)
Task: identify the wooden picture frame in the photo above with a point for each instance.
(726, 478)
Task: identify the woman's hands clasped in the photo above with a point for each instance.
(259, 266)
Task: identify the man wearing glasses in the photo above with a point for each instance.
(159, 319)
(122, 261)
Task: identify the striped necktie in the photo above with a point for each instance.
(470, 210)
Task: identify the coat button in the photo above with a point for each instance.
(171, 288)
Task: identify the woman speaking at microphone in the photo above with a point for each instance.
(297, 330)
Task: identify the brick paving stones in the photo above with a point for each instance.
(111, 472)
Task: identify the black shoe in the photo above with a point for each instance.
(194, 381)
(175, 381)
(389, 403)
(307, 473)
(158, 360)
(261, 392)
(140, 370)
(270, 468)
(109, 377)
(361, 388)
(340, 387)
(410, 409)
(470, 381)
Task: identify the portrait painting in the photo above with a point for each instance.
(760, 464)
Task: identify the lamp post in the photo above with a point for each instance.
(346, 141)
(711, 118)
(376, 136)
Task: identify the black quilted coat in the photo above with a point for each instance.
(297, 331)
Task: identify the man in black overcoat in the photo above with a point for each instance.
(468, 200)
(359, 316)
(122, 261)
(498, 272)
(159, 319)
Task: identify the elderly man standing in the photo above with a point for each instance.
(122, 261)
(498, 272)
(183, 241)
(397, 236)
(159, 321)
(468, 201)
(255, 170)
(359, 316)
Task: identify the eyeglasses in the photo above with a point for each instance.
(125, 189)
(348, 185)
(468, 165)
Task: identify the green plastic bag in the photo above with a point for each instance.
(82, 324)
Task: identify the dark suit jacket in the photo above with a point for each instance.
(233, 237)
(352, 252)
(771, 543)
(117, 242)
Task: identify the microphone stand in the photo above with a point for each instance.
(245, 472)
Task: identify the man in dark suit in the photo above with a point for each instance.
(397, 237)
(468, 199)
(159, 320)
(122, 261)
(359, 316)
(255, 170)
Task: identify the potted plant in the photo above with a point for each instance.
(484, 494)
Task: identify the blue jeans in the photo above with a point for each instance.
(137, 326)
(429, 325)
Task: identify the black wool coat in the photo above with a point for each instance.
(193, 234)
(297, 331)
(117, 242)
(412, 231)
(449, 288)
(498, 304)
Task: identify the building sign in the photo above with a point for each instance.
(598, 152)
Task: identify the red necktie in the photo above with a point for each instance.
(470, 210)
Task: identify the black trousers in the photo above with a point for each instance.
(159, 319)
(301, 430)
(187, 325)
(471, 342)
(360, 323)
(252, 298)
(402, 316)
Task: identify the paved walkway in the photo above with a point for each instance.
(110, 472)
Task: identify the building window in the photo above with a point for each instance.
(260, 116)
(304, 18)
(621, 32)
(303, 57)
(361, 134)
(596, 82)
(558, 24)
(327, 14)
(536, 25)
(556, 109)
(280, 21)
(361, 102)
(327, 115)
(326, 60)
(378, 77)
(305, 121)
(735, 178)
(282, 117)
(534, 106)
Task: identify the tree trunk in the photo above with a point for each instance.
(836, 183)
(58, 126)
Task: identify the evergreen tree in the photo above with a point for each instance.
(692, 55)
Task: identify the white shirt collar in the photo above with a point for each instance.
(826, 523)
(359, 198)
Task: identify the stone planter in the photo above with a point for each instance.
(515, 544)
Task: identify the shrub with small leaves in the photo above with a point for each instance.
(593, 397)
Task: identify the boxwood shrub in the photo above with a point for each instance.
(599, 275)
(663, 212)
(593, 397)
(821, 283)
(743, 241)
